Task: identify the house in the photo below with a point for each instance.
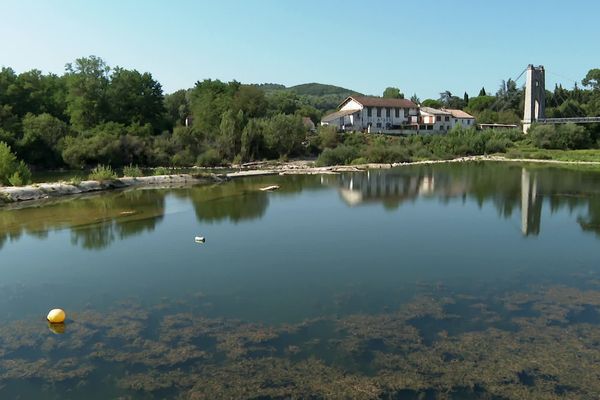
(374, 114)
(434, 120)
(459, 117)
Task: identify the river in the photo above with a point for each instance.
(447, 281)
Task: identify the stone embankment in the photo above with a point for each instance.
(48, 190)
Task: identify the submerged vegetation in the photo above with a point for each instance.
(511, 345)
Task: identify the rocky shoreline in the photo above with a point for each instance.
(42, 191)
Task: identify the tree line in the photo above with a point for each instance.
(94, 114)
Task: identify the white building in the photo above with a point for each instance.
(459, 117)
(439, 121)
(374, 114)
(434, 120)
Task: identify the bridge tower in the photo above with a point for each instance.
(535, 96)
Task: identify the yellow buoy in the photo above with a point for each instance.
(56, 316)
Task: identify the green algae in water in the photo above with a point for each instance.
(416, 283)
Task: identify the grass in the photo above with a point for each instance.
(132, 171)
(102, 173)
(531, 152)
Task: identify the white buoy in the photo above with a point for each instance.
(56, 316)
(199, 239)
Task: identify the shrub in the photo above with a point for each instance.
(12, 172)
(497, 145)
(102, 173)
(210, 158)
(161, 171)
(343, 154)
(132, 171)
(568, 136)
(359, 161)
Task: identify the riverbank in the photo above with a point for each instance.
(57, 189)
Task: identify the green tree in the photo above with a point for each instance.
(252, 141)
(392, 93)
(135, 98)
(177, 106)
(432, 103)
(482, 92)
(87, 83)
(592, 79)
(284, 135)
(12, 171)
(251, 101)
(42, 136)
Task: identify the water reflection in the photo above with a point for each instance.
(95, 221)
(508, 187)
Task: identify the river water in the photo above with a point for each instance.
(455, 281)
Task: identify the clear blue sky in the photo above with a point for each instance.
(423, 47)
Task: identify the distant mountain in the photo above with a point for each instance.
(322, 97)
(319, 89)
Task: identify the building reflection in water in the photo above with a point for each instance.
(531, 204)
(507, 187)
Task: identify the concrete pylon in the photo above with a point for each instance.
(535, 96)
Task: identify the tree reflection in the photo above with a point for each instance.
(95, 221)
(508, 187)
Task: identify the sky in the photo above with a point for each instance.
(422, 47)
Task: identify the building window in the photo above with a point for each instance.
(447, 118)
(369, 112)
(388, 112)
(397, 113)
(406, 112)
(468, 122)
(379, 124)
(379, 111)
(438, 118)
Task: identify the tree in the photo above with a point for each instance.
(284, 134)
(482, 92)
(209, 100)
(177, 107)
(12, 171)
(466, 98)
(87, 83)
(252, 140)
(42, 135)
(432, 103)
(251, 101)
(592, 79)
(135, 98)
(415, 99)
(392, 93)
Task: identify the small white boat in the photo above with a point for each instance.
(269, 188)
(199, 239)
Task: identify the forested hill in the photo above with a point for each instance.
(319, 89)
(322, 97)
(309, 89)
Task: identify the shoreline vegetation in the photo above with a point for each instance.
(97, 115)
(47, 190)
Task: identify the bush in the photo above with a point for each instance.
(12, 172)
(102, 173)
(497, 145)
(568, 136)
(359, 161)
(210, 158)
(161, 171)
(339, 156)
(132, 171)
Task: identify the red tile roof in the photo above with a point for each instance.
(370, 101)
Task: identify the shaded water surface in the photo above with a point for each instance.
(471, 281)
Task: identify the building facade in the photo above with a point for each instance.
(374, 114)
